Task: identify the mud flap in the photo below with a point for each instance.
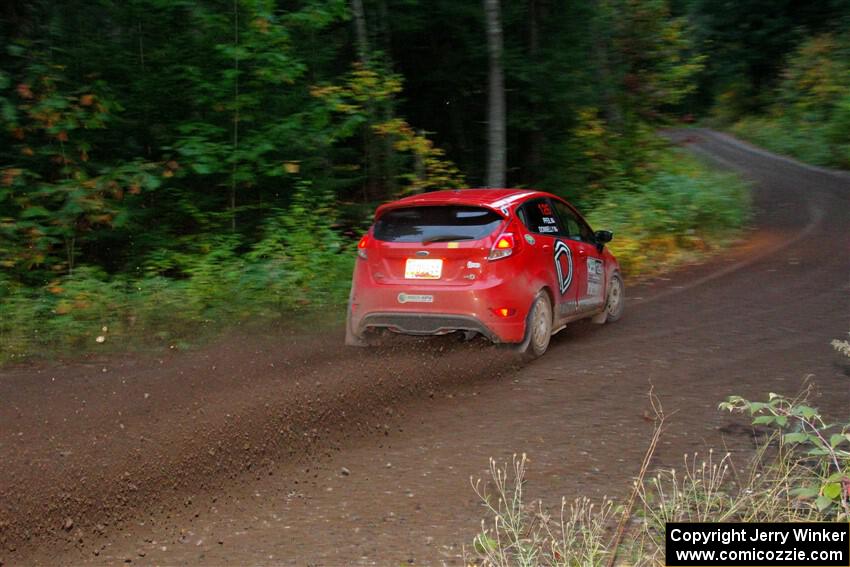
(352, 338)
(526, 349)
(602, 317)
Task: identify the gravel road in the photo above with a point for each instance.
(285, 449)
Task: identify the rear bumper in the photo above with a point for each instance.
(426, 324)
(448, 310)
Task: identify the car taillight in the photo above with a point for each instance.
(361, 247)
(503, 247)
(504, 311)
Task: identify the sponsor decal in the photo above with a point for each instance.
(594, 277)
(472, 264)
(563, 266)
(452, 245)
(414, 298)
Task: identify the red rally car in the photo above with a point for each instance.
(514, 265)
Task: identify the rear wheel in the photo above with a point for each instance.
(538, 327)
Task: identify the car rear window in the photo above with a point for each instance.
(436, 223)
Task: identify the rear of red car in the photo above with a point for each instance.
(440, 263)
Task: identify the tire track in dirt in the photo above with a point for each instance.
(70, 480)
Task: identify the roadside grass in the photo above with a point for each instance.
(800, 472)
(813, 142)
(94, 315)
(684, 213)
(299, 273)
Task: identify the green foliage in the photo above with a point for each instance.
(652, 56)
(594, 162)
(302, 259)
(354, 104)
(810, 119)
(809, 142)
(645, 65)
(300, 264)
(56, 192)
(816, 77)
(825, 446)
(747, 43)
(682, 211)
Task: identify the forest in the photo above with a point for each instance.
(170, 167)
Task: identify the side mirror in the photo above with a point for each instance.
(603, 236)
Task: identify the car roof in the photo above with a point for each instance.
(494, 199)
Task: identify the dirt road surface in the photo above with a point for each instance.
(287, 449)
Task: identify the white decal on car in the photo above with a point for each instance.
(594, 277)
(565, 272)
(412, 298)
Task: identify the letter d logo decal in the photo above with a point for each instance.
(563, 265)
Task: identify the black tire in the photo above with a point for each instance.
(538, 327)
(616, 302)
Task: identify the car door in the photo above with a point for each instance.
(553, 257)
(589, 271)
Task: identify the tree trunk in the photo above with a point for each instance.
(388, 170)
(602, 33)
(384, 30)
(360, 31)
(235, 116)
(496, 98)
(537, 139)
(368, 138)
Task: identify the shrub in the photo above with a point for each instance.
(300, 263)
(801, 472)
(683, 211)
(825, 449)
(525, 535)
(807, 141)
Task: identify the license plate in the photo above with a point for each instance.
(419, 269)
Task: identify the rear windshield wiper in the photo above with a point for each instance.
(446, 238)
